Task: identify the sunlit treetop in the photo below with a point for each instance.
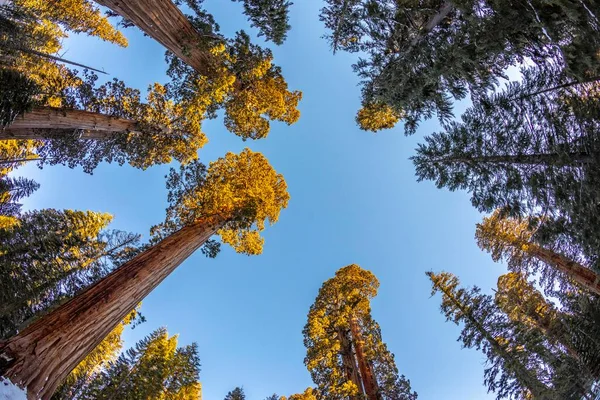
(308, 394)
(80, 16)
(376, 116)
(243, 189)
(521, 301)
(244, 82)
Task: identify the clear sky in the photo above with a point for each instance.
(354, 199)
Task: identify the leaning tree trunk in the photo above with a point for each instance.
(366, 372)
(579, 274)
(523, 375)
(43, 354)
(164, 22)
(349, 363)
(47, 122)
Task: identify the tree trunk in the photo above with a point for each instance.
(524, 376)
(366, 371)
(526, 159)
(47, 122)
(164, 22)
(583, 276)
(43, 354)
(434, 21)
(349, 363)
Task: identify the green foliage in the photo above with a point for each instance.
(49, 255)
(243, 189)
(16, 95)
(154, 369)
(513, 369)
(340, 300)
(542, 157)
(419, 56)
(236, 394)
(270, 17)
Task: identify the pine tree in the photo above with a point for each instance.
(309, 394)
(270, 17)
(543, 155)
(514, 370)
(511, 239)
(234, 198)
(524, 304)
(154, 369)
(49, 255)
(230, 73)
(421, 55)
(345, 353)
(236, 394)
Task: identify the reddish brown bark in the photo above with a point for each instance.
(581, 275)
(164, 22)
(43, 354)
(366, 371)
(41, 122)
(349, 363)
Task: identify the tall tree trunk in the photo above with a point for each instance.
(44, 122)
(525, 159)
(434, 21)
(164, 22)
(42, 355)
(349, 363)
(366, 371)
(583, 276)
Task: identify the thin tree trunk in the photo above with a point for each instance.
(524, 376)
(43, 122)
(583, 276)
(349, 363)
(562, 86)
(366, 372)
(42, 355)
(526, 159)
(164, 22)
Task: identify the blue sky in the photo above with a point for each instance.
(354, 199)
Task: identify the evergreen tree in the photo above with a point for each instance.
(49, 255)
(511, 239)
(154, 369)
(345, 353)
(234, 198)
(421, 55)
(514, 368)
(270, 17)
(524, 304)
(236, 394)
(309, 394)
(227, 73)
(525, 153)
(111, 123)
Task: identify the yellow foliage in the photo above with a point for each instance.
(15, 150)
(244, 189)
(7, 222)
(79, 16)
(377, 116)
(309, 394)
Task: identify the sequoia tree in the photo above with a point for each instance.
(234, 197)
(511, 239)
(228, 73)
(421, 55)
(513, 371)
(346, 356)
